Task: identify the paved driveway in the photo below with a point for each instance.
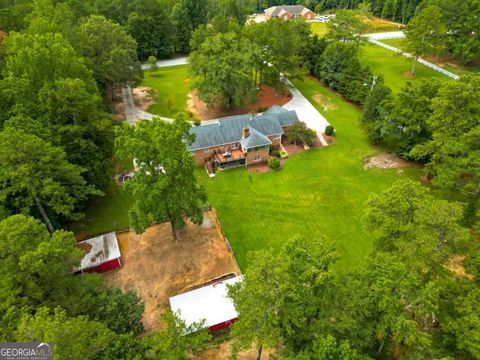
(170, 62)
(306, 111)
(386, 35)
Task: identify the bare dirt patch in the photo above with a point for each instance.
(325, 102)
(385, 161)
(266, 99)
(157, 267)
(329, 139)
(143, 97)
(455, 265)
(408, 74)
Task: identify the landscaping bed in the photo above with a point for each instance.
(266, 99)
(158, 267)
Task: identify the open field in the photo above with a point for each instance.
(382, 25)
(104, 214)
(444, 61)
(157, 267)
(395, 68)
(321, 191)
(319, 28)
(172, 85)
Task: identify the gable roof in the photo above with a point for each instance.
(295, 10)
(254, 139)
(229, 129)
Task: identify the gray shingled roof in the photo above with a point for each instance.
(229, 129)
(295, 10)
(255, 139)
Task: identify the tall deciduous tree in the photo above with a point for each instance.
(223, 69)
(73, 338)
(177, 340)
(34, 263)
(425, 33)
(272, 301)
(347, 25)
(34, 173)
(164, 187)
(409, 115)
(48, 91)
(110, 52)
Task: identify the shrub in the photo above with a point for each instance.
(274, 163)
(276, 153)
(329, 130)
(152, 61)
(197, 122)
(301, 133)
(283, 154)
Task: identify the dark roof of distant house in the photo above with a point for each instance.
(295, 10)
(229, 129)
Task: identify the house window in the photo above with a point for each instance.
(222, 146)
(277, 136)
(257, 158)
(206, 150)
(235, 146)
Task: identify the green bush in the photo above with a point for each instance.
(276, 153)
(329, 130)
(283, 154)
(299, 132)
(274, 163)
(197, 122)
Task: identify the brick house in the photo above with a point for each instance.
(241, 139)
(289, 12)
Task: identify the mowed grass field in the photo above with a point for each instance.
(447, 63)
(172, 85)
(395, 68)
(321, 191)
(319, 28)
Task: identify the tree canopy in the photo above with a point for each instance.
(164, 187)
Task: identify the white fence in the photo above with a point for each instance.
(421, 61)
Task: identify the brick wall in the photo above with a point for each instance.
(263, 154)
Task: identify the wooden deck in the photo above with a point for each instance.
(235, 154)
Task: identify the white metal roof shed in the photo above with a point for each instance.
(98, 250)
(209, 303)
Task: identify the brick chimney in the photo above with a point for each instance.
(246, 132)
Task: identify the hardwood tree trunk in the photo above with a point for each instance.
(259, 352)
(44, 214)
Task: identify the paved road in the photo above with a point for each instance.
(386, 35)
(170, 62)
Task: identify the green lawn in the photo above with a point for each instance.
(395, 67)
(319, 28)
(447, 64)
(320, 191)
(172, 85)
(106, 213)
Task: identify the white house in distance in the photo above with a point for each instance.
(209, 303)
